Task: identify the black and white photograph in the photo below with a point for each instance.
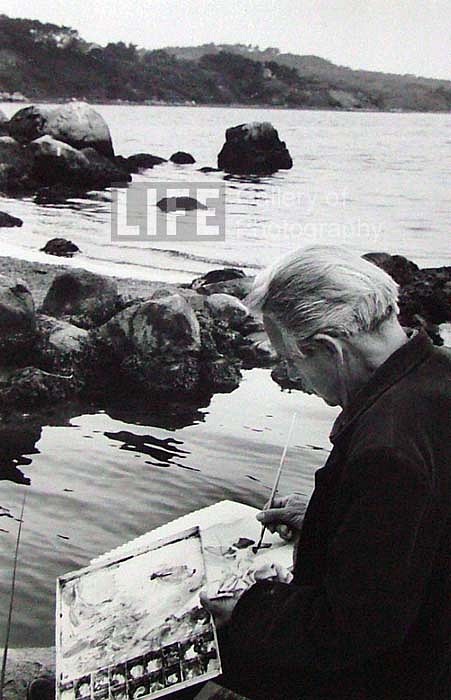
(225, 350)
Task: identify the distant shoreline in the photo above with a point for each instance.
(218, 105)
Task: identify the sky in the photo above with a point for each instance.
(397, 36)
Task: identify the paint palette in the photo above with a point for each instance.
(133, 627)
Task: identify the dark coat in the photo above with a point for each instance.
(368, 615)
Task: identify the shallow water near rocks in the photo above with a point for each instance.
(99, 479)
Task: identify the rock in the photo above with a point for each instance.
(227, 308)
(427, 299)
(8, 221)
(402, 270)
(16, 165)
(239, 288)
(142, 161)
(208, 169)
(56, 163)
(29, 123)
(213, 276)
(17, 319)
(165, 326)
(254, 148)
(220, 375)
(182, 158)
(424, 296)
(83, 298)
(30, 387)
(157, 345)
(61, 247)
(169, 204)
(59, 194)
(257, 351)
(74, 123)
(60, 347)
(24, 665)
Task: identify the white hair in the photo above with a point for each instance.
(325, 289)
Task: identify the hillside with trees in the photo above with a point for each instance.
(48, 62)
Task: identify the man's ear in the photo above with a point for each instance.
(333, 345)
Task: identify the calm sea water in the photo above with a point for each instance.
(369, 181)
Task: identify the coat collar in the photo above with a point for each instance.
(400, 363)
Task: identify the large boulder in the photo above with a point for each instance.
(75, 123)
(164, 326)
(156, 344)
(16, 166)
(83, 298)
(17, 319)
(56, 162)
(254, 149)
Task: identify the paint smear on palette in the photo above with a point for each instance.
(134, 627)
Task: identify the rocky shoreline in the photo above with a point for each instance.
(66, 333)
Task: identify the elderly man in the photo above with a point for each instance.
(368, 613)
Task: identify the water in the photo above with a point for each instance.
(371, 181)
(98, 478)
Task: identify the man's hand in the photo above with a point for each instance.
(273, 572)
(285, 517)
(221, 608)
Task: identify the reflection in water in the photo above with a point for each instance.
(18, 437)
(20, 433)
(163, 452)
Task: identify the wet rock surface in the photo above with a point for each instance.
(254, 148)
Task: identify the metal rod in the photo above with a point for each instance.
(11, 601)
(276, 481)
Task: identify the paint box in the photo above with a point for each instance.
(133, 627)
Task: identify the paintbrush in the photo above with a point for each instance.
(270, 503)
